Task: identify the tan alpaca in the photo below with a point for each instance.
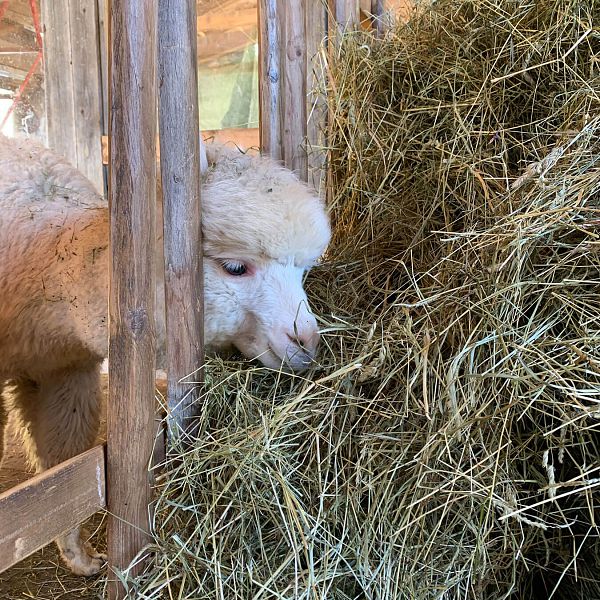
(262, 230)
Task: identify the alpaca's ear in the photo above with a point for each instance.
(203, 159)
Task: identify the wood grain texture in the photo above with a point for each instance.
(73, 83)
(180, 177)
(294, 89)
(271, 38)
(345, 12)
(378, 12)
(132, 192)
(58, 79)
(40, 509)
(103, 20)
(316, 30)
(87, 87)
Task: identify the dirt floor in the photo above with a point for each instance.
(42, 576)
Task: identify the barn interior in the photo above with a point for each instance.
(447, 447)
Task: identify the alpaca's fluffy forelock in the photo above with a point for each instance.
(259, 211)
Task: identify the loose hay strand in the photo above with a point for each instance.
(446, 446)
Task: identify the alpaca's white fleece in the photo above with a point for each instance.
(53, 263)
(255, 206)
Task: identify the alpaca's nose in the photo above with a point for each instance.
(307, 340)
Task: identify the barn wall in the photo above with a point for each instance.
(73, 83)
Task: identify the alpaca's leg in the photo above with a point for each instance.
(60, 418)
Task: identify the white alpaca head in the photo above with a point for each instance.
(263, 229)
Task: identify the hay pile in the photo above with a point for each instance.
(447, 446)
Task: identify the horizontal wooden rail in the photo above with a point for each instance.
(243, 137)
(37, 511)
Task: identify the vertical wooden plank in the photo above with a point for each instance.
(346, 13)
(294, 78)
(58, 79)
(378, 12)
(180, 175)
(103, 20)
(87, 88)
(316, 30)
(271, 34)
(72, 84)
(132, 331)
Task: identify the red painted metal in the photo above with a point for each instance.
(22, 87)
(35, 15)
(3, 8)
(36, 23)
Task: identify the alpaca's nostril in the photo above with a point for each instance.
(307, 342)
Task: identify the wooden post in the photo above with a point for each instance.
(345, 12)
(316, 30)
(271, 36)
(132, 194)
(283, 77)
(295, 76)
(378, 12)
(180, 174)
(72, 82)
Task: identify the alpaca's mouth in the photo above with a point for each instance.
(296, 359)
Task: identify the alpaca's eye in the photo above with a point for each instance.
(234, 267)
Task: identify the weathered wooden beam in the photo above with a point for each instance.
(316, 30)
(18, 17)
(58, 78)
(87, 87)
(271, 21)
(11, 73)
(294, 89)
(345, 12)
(132, 192)
(283, 80)
(40, 509)
(73, 84)
(180, 176)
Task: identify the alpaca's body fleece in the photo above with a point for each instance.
(54, 288)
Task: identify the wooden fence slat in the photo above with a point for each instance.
(271, 34)
(378, 12)
(87, 88)
(103, 26)
(132, 193)
(180, 176)
(72, 81)
(346, 13)
(316, 30)
(40, 509)
(58, 80)
(294, 78)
